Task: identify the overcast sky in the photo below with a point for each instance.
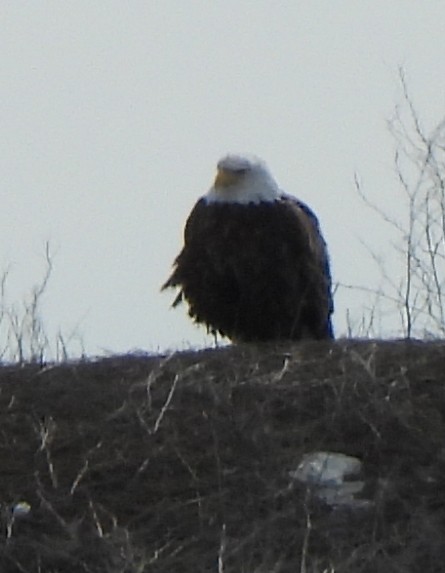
(113, 115)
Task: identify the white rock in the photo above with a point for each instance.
(333, 477)
(21, 509)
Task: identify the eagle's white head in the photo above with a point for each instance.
(242, 179)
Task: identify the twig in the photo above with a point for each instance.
(166, 404)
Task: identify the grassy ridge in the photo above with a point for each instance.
(181, 462)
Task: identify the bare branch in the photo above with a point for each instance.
(414, 285)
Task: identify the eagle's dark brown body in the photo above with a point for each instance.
(256, 271)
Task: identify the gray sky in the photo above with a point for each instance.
(114, 114)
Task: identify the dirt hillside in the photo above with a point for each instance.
(184, 462)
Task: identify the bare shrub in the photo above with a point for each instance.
(413, 274)
(23, 333)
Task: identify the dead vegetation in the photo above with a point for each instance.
(181, 463)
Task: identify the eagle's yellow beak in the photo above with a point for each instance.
(225, 178)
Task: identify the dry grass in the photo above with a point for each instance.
(181, 463)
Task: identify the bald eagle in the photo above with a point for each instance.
(254, 265)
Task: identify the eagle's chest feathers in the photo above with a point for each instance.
(243, 231)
